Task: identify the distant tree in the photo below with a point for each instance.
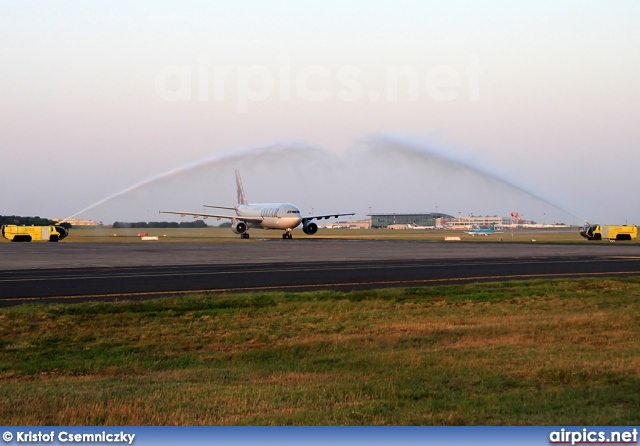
(26, 221)
(162, 224)
(124, 224)
(226, 224)
(193, 224)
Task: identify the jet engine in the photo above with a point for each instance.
(309, 228)
(239, 227)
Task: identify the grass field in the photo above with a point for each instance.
(214, 234)
(525, 353)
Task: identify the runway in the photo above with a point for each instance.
(75, 272)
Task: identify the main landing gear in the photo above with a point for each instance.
(244, 235)
(287, 235)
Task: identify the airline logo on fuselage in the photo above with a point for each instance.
(270, 212)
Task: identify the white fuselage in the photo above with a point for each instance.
(272, 215)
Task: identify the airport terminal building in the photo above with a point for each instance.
(389, 220)
(400, 221)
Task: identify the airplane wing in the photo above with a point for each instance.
(325, 216)
(219, 207)
(200, 214)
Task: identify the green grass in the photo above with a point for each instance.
(538, 352)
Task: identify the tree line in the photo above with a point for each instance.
(38, 221)
(28, 221)
(160, 224)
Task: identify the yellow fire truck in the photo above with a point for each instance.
(598, 232)
(17, 233)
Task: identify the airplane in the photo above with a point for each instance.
(283, 216)
(415, 226)
(478, 231)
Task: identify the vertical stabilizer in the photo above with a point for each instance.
(241, 197)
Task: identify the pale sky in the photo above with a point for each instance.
(335, 106)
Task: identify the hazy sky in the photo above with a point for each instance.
(393, 106)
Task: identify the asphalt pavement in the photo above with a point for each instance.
(70, 272)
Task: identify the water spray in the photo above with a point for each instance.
(353, 159)
(414, 148)
(252, 153)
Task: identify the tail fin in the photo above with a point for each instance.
(241, 197)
